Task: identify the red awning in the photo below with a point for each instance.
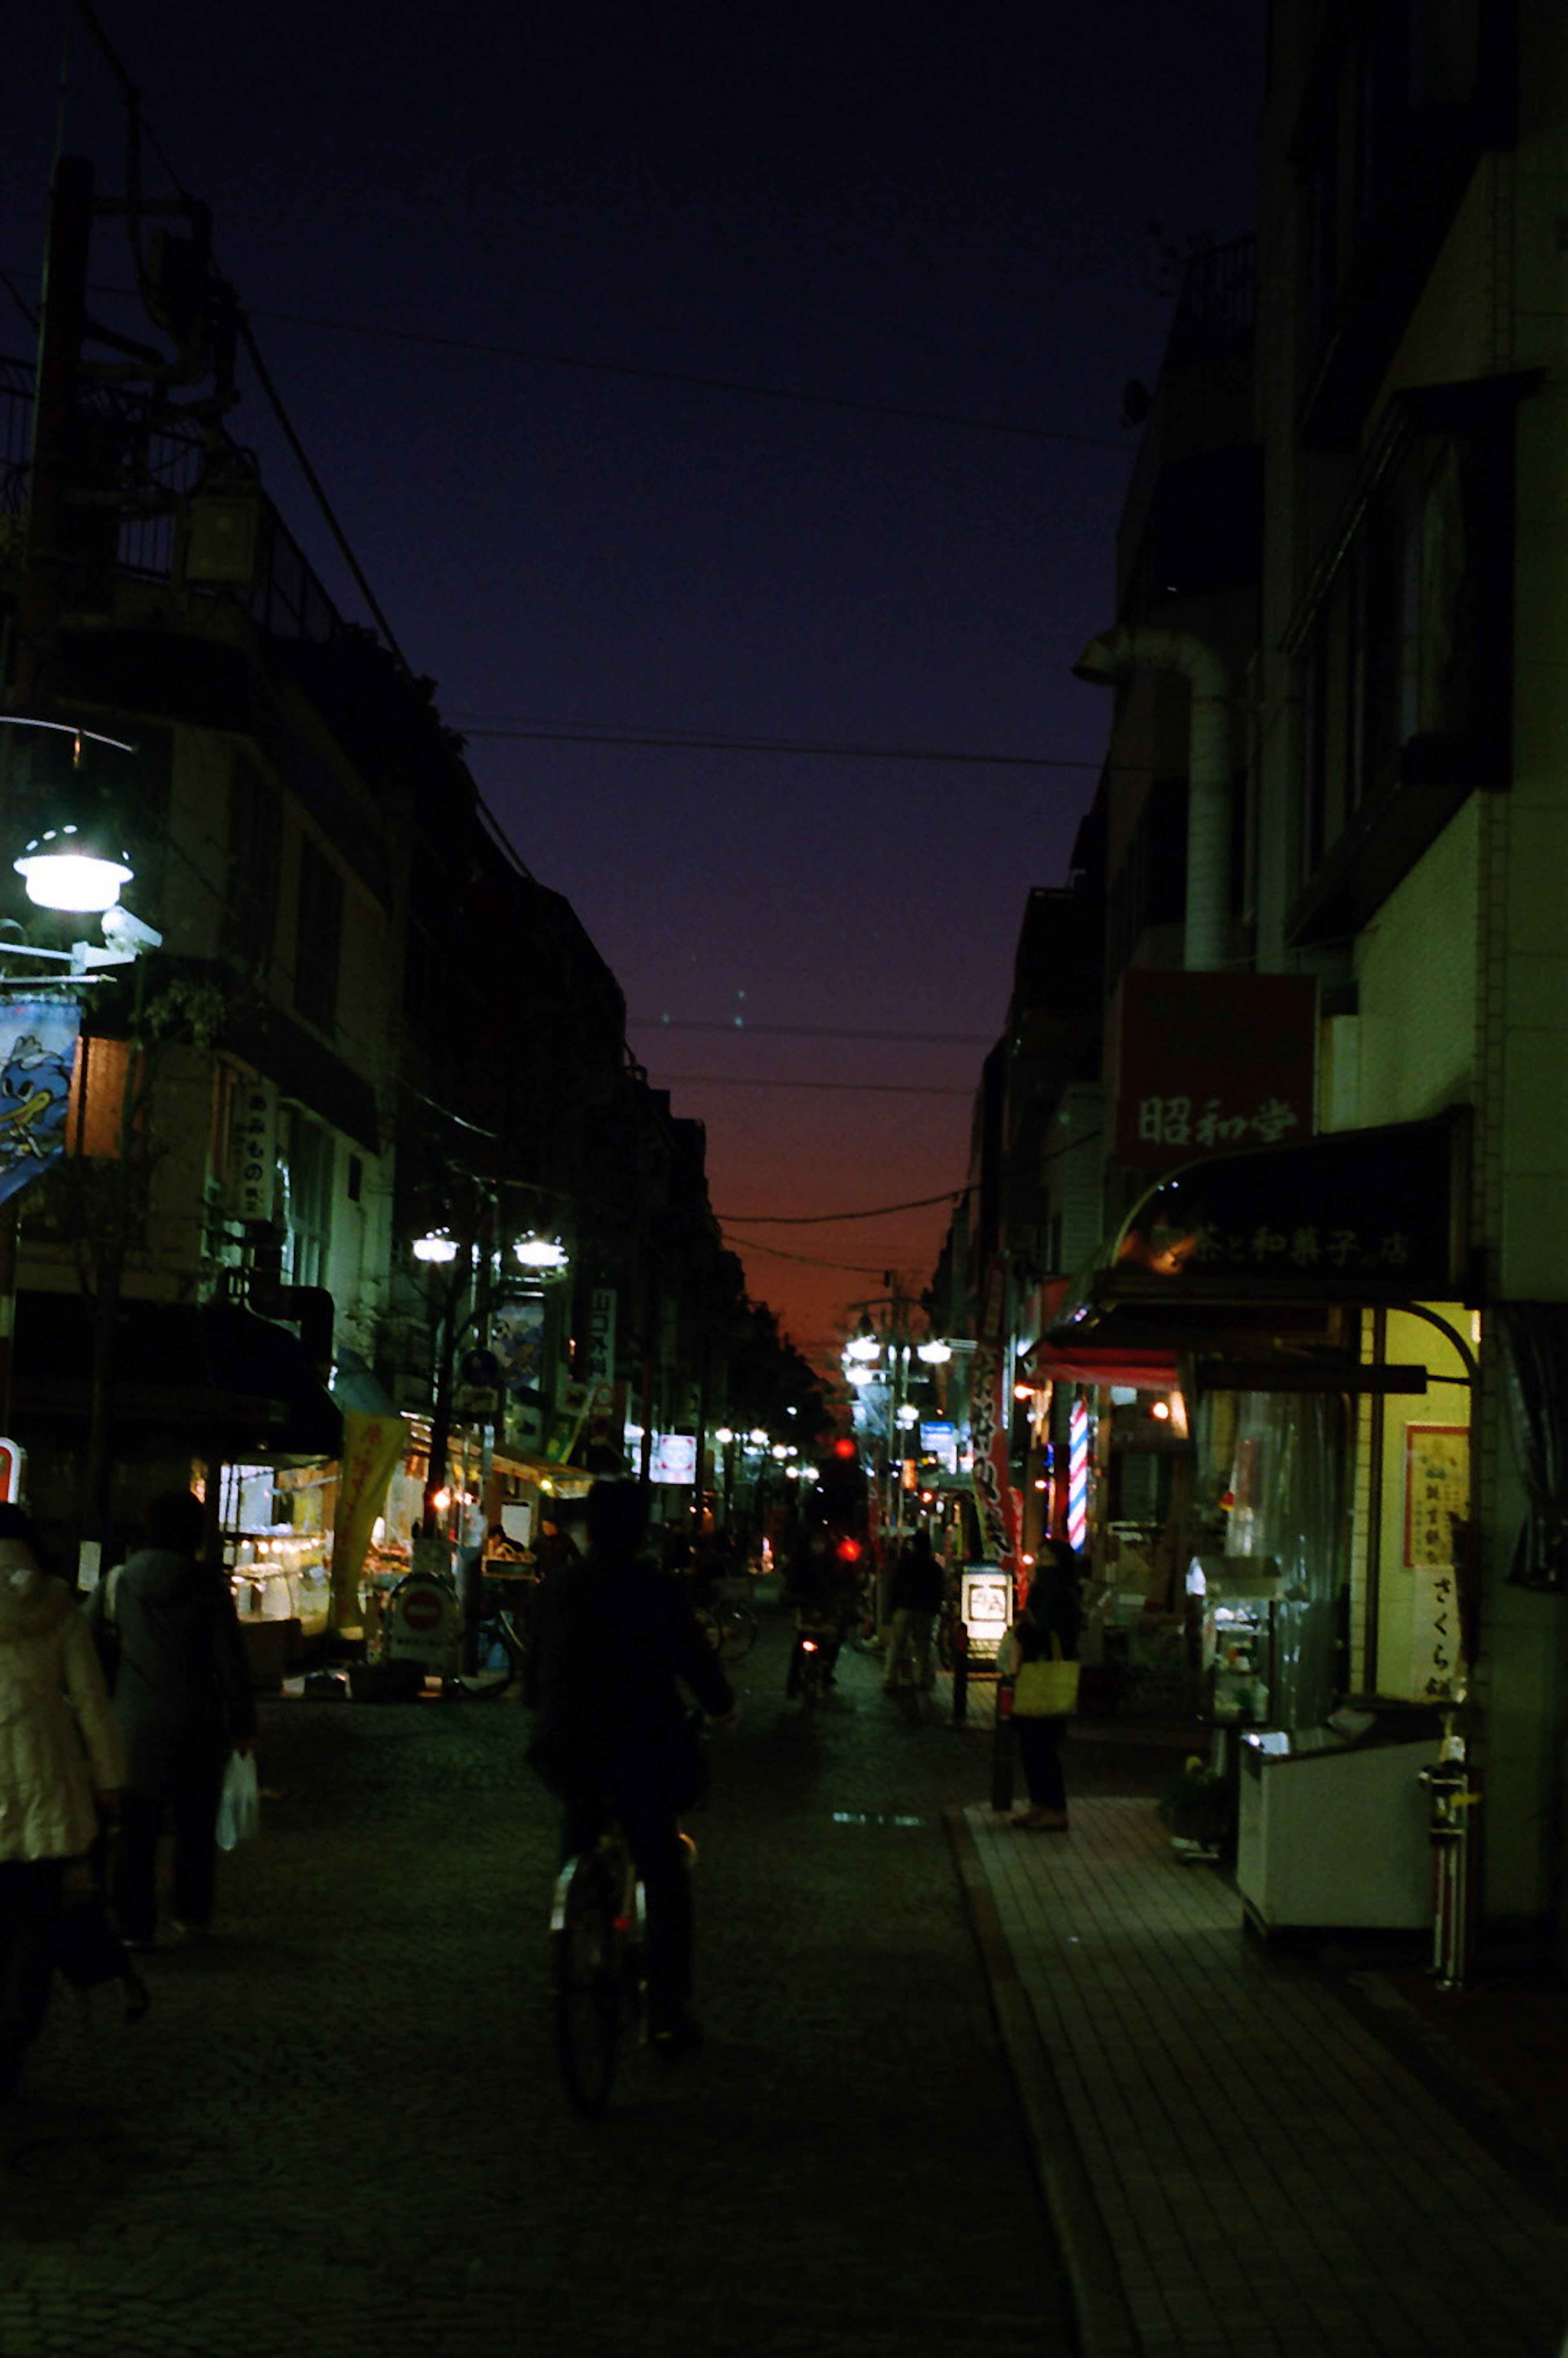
(1144, 1367)
(1142, 1371)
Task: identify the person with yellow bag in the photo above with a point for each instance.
(1040, 1653)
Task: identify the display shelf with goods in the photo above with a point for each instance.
(1234, 1598)
(277, 1554)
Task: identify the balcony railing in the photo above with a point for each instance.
(285, 598)
(1215, 307)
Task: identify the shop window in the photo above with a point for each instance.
(1400, 104)
(1403, 646)
(307, 1183)
(318, 945)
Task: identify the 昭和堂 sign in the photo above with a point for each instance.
(1210, 1062)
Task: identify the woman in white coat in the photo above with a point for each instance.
(61, 1765)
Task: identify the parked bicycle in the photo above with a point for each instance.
(499, 1646)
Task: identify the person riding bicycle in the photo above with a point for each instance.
(814, 1585)
(614, 1644)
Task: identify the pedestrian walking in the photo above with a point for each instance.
(1049, 1625)
(915, 1597)
(61, 1767)
(183, 1702)
(616, 1650)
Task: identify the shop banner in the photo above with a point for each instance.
(252, 1182)
(38, 1054)
(989, 1407)
(600, 1364)
(372, 1448)
(518, 1339)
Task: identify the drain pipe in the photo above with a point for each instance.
(1113, 656)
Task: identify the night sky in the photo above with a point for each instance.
(722, 399)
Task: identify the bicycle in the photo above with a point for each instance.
(811, 1669)
(598, 1989)
(729, 1629)
(499, 1637)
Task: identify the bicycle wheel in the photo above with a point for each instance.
(587, 1993)
(500, 1651)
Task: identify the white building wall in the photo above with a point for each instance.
(1417, 969)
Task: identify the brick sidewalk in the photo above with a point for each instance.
(1236, 2162)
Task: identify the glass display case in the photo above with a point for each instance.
(1233, 1600)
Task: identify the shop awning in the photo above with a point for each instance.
(202, 1376)
(1144, 1367)
(1247, 1257)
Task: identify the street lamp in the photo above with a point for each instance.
(77, 864)
(546, 1254)
(439, 1246)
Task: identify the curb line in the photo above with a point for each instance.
(1106, 2328)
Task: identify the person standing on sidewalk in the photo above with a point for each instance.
(614, 1641)
(1051, 1610)
(183, 1701)
(61, 1767)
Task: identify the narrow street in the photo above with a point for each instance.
(339, 2129)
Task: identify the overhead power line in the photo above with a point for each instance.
(566, 732)
(810, 1261)
(543, 359)
(853, 1088)
(808, 1031)
(829, 1219)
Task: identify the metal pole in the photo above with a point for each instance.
(1001, 1749)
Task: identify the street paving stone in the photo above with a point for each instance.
(339, 2129)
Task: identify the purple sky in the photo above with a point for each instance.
(745, 369)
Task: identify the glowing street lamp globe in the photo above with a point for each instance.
(540, 1252)
(439, 1245)
(64, 868)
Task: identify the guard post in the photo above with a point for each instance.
(960, 1644)
(1001, 1747)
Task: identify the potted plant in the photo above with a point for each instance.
(1196, 1808)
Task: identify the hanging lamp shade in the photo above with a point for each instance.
(73, 869)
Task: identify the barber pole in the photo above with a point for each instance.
(1078, 1476)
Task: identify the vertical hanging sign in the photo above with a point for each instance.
(598, 1367)
(988, 1410)
(252, 1150)
(38, 1054)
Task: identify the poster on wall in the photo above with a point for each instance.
(1437, 1486)
(36, 1062)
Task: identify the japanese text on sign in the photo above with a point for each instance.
(1183, 1122)
(1437, 1490)
(1303, 1248)
(252, 1150)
